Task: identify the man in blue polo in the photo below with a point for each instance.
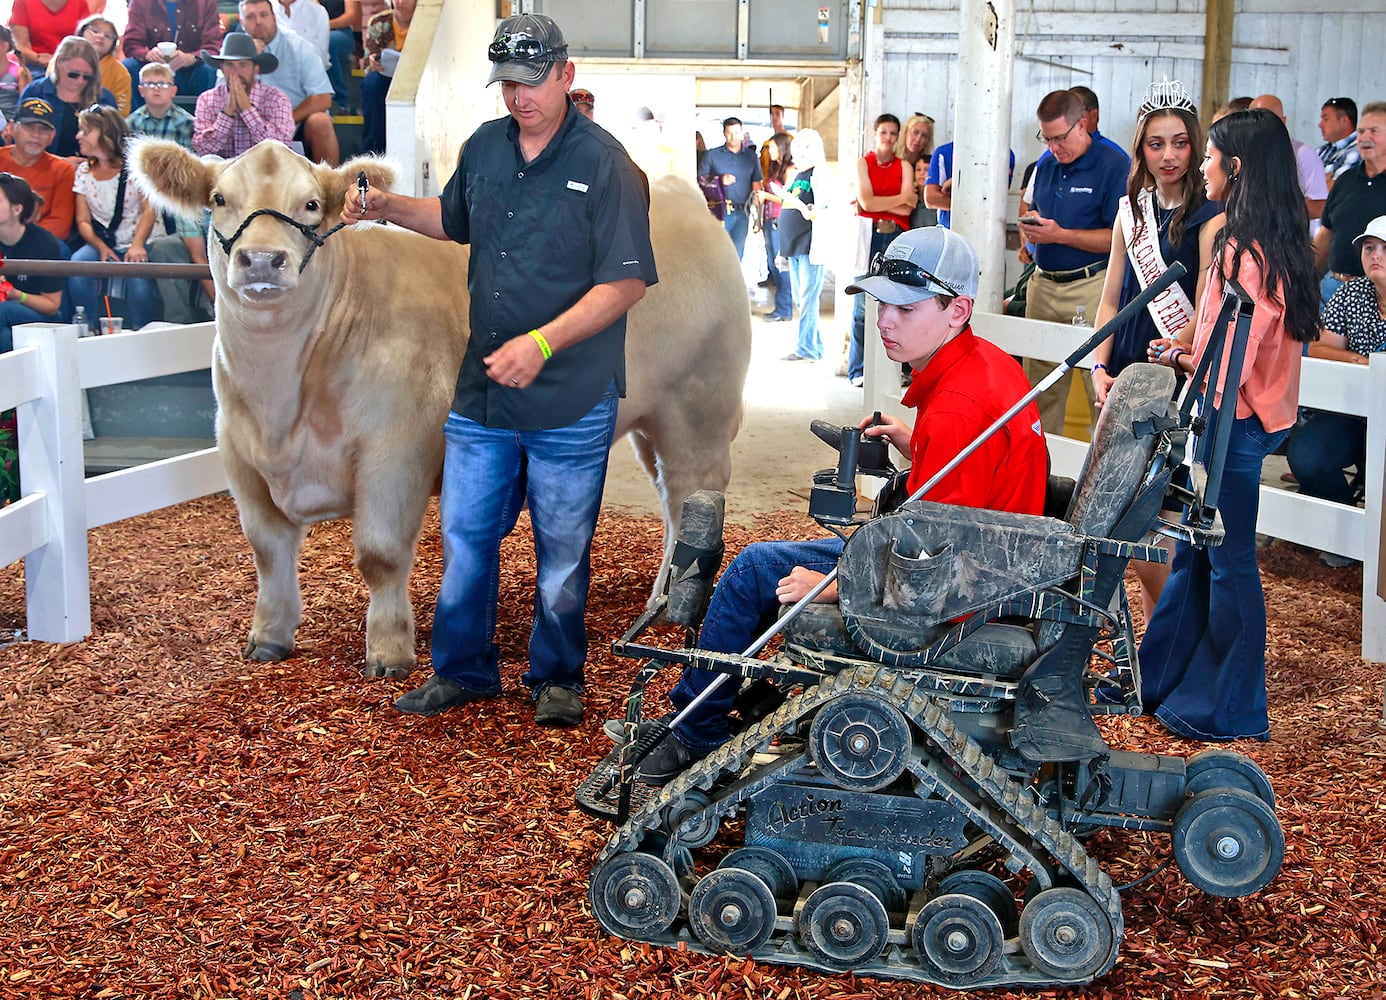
(737, 165)
(1070, 225)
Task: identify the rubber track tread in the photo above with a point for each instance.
(1001, 794)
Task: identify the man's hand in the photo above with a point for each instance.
(792, 588)
(516, 363)
(237, 98)
(181, 60)
(376, 205)
(1041, 230)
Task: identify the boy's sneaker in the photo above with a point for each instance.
(670, 759)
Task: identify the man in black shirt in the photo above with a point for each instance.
(558, 222)
(1358, 196)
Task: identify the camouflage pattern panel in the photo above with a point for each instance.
(928, 564)
(1122, 445)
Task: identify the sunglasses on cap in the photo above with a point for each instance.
(522, 47)
(76, 74)
(582, 97)
(904, 272)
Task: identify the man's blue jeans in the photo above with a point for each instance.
(736, 224)
(1203, 656)
(488, 473)
(808, 287)
(743, 605)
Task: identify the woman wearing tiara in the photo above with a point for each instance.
(1163, 218)
(1203, 656)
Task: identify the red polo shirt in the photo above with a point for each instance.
(965, 387)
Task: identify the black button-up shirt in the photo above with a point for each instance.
(542, 234)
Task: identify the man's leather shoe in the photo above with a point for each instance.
(438, 694)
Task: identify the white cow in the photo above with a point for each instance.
(336, 357)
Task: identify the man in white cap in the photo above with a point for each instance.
(925, 281)
(558, 221)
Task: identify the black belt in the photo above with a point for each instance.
(1064, 277)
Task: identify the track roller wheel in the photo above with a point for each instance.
(1228, 842)
(1228, 769)
(772, 867)
(732, 910)
(843, 925)
(678, 820)
(872, 875)
(635, 895)
(1065, 934)
(861, 742)
(986, 887)
(958, 938)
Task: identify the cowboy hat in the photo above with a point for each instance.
(238, 46)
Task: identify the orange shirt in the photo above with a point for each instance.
(51, 178)
(1269, 386)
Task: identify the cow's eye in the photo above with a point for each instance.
(218, 201)
(312, 205)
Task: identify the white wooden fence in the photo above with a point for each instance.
(44, 376)
(47, 528)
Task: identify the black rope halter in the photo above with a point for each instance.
(309, 233)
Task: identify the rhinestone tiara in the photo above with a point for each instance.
(1166, 94)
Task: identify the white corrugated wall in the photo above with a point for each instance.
(1117, 48)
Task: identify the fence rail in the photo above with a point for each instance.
(47, 528)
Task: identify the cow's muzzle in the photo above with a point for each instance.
(309, 233)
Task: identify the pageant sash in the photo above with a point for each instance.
(1171, 310)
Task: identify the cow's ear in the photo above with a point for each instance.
(337, 181)
(172, 177)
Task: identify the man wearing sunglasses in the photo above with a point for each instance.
(558, 222)
(925, 282)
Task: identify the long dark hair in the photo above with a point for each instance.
(1191, 195)
(778, 168)
(1266, 215)
(18, 192)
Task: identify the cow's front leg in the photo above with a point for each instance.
(386, 529)
(275, 541)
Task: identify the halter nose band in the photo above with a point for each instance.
(309, 233)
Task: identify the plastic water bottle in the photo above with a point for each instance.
(1080, 318)
(79, 316)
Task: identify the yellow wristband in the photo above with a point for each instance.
(544, 347)
(23, 297)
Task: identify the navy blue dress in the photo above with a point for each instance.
(1129, 343)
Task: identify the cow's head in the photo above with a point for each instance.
(255, 257)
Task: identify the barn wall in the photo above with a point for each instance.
(1117, 47)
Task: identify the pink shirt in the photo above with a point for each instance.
(269, 116)
(1269, 386)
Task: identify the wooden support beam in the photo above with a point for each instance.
(1217, 56)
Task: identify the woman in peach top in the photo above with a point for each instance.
(1203, 656)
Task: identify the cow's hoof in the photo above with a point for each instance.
(374, 671)
(265, 652)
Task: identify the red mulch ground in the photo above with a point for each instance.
(177, 823)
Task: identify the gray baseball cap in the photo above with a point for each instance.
(920, 264)
(525, 48)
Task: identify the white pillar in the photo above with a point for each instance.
(982, 138)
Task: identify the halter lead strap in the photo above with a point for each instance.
(308, 232)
